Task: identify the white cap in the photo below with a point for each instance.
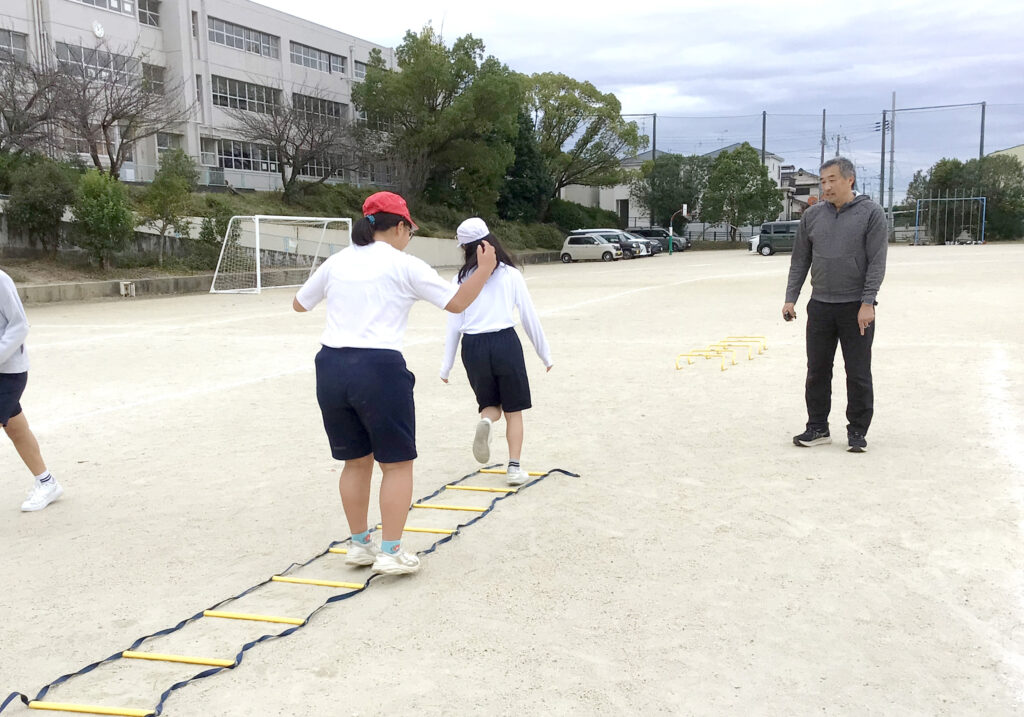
(471, 230)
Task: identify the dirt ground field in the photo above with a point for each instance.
(701, 564)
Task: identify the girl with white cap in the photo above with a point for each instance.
(491, 351)
(363, 387)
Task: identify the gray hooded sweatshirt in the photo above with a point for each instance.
(844, 249)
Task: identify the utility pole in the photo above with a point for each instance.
(654, 153)
(881, 174)
(822, 139)
(892, 158)
(981, 148)
(764, 132)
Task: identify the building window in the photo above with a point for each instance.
(75, 143)
(166, 141)
(195, 24)
(317, 59)
(247, 156)
(244, 38)
(125, 7)
(208, 151)
(320, 108)
(240, 95)
(199, 91)
(97, 63)
(153, 78)
(323, 167)
(359, 70)
(149, 12)
(13, 45)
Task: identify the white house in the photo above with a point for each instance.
(618, 199)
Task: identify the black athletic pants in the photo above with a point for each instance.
(828, 324)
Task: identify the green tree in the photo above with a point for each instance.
(580, 131)
(663, 187)
(446, 119)
(527, 183)
(998, 178)
(40, 193)
(740, 191)
(167, 200)
(104, 216)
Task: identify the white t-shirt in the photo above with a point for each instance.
(369, 291)
(13, 328)
(494, 310)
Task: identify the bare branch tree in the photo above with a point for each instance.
(111, 99)
(306, 131)
(28, 104)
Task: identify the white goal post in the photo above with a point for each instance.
(263, 251)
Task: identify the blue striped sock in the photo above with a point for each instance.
(390, 546)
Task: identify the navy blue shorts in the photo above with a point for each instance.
(365, 396)
(496, 369)
(12, 385)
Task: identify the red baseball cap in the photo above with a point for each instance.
(388, 202)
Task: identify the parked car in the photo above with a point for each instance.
(653, 245)
(775, 236)
(663, 236)
(631, 246)
(583, 247)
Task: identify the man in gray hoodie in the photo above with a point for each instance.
(13, 379)
(842, 241)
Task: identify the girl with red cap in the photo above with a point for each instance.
(363, 387)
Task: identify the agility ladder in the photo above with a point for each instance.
(214, 665)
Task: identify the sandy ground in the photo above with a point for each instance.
(701, 564)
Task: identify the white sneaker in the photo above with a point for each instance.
(482, 441)
(400, 563)
(516, 476)
(361, 553)
(42, 495)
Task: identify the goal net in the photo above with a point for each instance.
(261, 252)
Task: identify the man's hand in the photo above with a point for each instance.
(865, 317)
(486, 259)
(789, 311)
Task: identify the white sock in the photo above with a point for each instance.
(44, 477)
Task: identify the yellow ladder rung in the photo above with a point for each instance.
(88, 709)
(254, 618)
(484, 489)
(438, 531)
(338, 551)
(449, 507)
(321, 583)
(502, 471)
(210, 661)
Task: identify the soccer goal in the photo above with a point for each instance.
(261, 251)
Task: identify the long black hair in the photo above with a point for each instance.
(362, 230)
(470, 250)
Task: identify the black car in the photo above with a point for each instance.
(662, 236)
(653, 244)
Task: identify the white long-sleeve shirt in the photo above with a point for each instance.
(494, 310)
(13, 328)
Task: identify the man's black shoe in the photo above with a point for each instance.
(858, 444)
(812, 437)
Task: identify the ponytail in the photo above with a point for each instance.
(364, 229)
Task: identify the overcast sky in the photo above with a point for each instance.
(708, 68)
